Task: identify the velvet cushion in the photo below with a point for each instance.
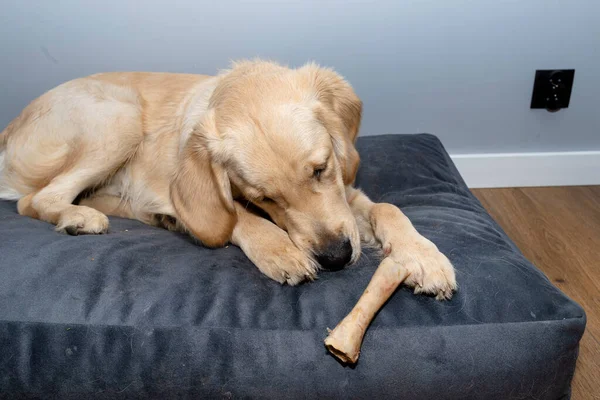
(145, 312)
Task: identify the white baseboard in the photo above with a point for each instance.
(529, 169)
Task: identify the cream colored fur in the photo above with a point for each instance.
(191, 152)
(6, 192)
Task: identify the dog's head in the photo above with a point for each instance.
(284, 140)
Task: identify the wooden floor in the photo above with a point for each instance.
(558, 229)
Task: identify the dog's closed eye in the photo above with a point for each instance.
(267, 200)
(317, 172)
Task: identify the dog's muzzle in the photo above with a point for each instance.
(336, 255)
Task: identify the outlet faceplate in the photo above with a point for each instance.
(552, 89)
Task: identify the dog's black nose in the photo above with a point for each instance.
(336, 255)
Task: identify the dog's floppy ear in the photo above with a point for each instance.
(340, 113)
(201, 192)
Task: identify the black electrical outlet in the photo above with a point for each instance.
(552, 89)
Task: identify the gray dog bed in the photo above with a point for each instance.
(143, 312)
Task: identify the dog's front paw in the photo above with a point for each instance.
(287, 264)
(277, 257)
(430, 271)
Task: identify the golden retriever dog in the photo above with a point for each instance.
(192, 152)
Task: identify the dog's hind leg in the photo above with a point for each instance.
(71, 139)
(108, 204)
(92, 168)
(53, 203)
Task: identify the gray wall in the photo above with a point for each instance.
(460, 69)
